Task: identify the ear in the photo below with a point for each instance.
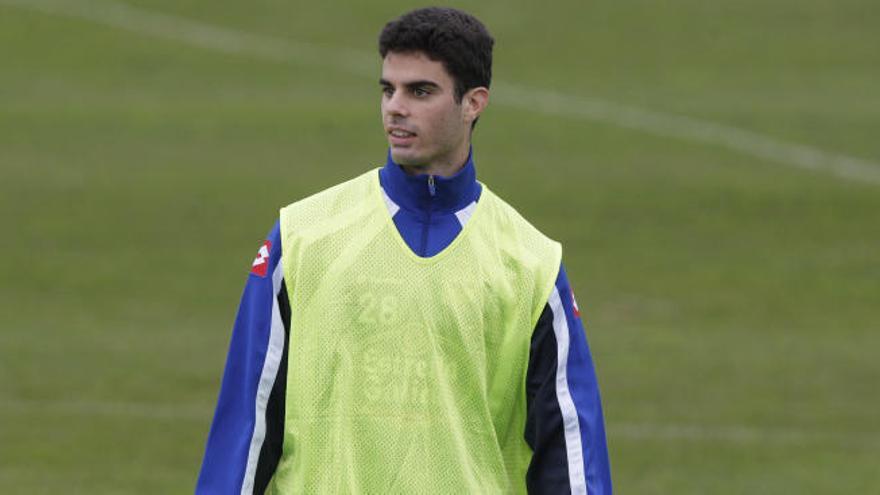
(473, 102)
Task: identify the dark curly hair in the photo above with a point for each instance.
(454, 38)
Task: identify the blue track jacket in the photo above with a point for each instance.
(566, 436)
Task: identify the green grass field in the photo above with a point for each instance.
(732, 300)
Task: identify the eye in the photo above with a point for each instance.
(387, 91)
(420, 92)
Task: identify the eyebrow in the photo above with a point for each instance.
(412, 85)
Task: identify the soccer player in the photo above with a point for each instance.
(408, 331)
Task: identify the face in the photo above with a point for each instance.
(425, 126)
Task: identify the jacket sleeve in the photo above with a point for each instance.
(244, 444)
(564, 423)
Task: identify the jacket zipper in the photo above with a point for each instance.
(432, 191)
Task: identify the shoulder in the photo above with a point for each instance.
(357, 186)
(347, 197)
(510, 222)
(516, 239)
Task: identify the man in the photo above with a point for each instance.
(407, 331)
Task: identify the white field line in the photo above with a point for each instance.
(203, 35)
(732, 434)
(362, 63)
(689, 129)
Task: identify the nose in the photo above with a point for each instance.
(395, 105)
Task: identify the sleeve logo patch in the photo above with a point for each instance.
(574, 304)
(261, 262)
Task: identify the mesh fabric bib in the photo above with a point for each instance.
(407, 374)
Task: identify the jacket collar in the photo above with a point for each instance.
(414, 192)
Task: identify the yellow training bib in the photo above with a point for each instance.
(407, 374)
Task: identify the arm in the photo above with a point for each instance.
(244, 444)
(564, 424)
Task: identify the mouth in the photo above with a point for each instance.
(400, 137)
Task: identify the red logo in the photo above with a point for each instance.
(574, 304)
(261, 262)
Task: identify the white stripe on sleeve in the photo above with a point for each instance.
(570, 422)
(267, 381)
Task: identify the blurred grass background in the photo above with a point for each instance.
(732, 302)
